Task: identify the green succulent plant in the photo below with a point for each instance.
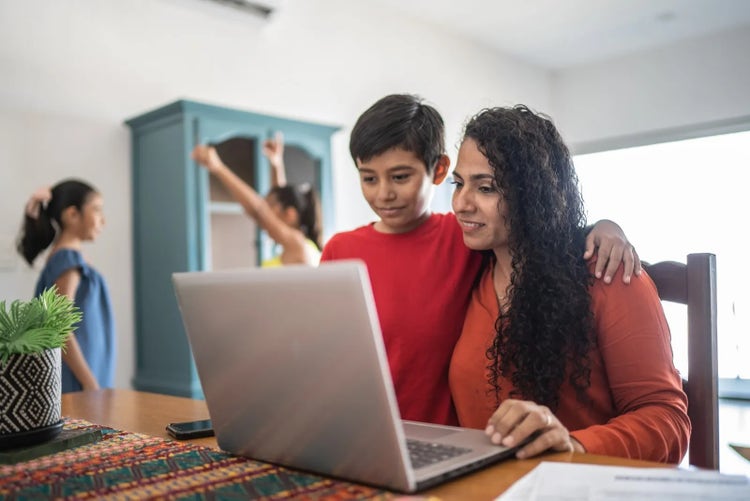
(36, 325)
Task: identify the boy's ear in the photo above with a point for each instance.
(441, 169)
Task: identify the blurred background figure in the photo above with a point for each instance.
(290, 214)
(64, 217)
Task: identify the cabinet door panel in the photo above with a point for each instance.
(237, 153)
(302, 167)
(230, 236)
(184, 223)
(163, 232)
(233, 241)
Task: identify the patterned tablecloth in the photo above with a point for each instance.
(126, 465)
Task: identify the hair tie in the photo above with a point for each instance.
(39, 197)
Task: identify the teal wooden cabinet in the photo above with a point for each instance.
(183, 221)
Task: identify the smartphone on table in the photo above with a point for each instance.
(191, 429)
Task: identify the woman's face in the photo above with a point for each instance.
(91, 217)
(477, 202)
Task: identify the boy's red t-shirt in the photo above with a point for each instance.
(421, 281)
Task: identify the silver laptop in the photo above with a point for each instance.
(294, 371)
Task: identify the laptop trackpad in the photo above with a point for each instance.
(423, 431)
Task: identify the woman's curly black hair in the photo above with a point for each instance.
(545, 334)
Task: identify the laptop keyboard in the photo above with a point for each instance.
(426, 453)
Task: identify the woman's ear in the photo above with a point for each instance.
(441, 169)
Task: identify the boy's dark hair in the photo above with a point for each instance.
(38, 233)
(304, 199)
(399, 121)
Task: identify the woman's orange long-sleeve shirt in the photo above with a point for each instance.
(636, 407)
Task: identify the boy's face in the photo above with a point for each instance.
(398, 188)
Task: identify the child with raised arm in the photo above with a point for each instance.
(421, 271)
(289, 214)
(66, 216)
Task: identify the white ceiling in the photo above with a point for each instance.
(556, 34)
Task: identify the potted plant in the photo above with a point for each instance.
(32, 334)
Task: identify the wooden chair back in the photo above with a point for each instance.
(694, 284)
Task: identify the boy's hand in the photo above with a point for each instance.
(207, 157)
(273, 149)
(614, 248)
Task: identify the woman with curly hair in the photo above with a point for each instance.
(546, 351)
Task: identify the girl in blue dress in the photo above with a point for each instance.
(64, 217)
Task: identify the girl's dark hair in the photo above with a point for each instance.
(544, 337)
(38, 233)
(399, 121)
(305, 201)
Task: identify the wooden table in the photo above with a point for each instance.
(149, 413)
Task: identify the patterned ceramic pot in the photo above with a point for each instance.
(30, 389)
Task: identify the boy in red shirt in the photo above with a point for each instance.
(421, 271)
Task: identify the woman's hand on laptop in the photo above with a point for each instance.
(517, 420)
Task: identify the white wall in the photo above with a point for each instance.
(72, 70)
(663, 94)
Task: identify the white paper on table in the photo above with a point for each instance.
(573, 481)
(521, 489)
(688, 487)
